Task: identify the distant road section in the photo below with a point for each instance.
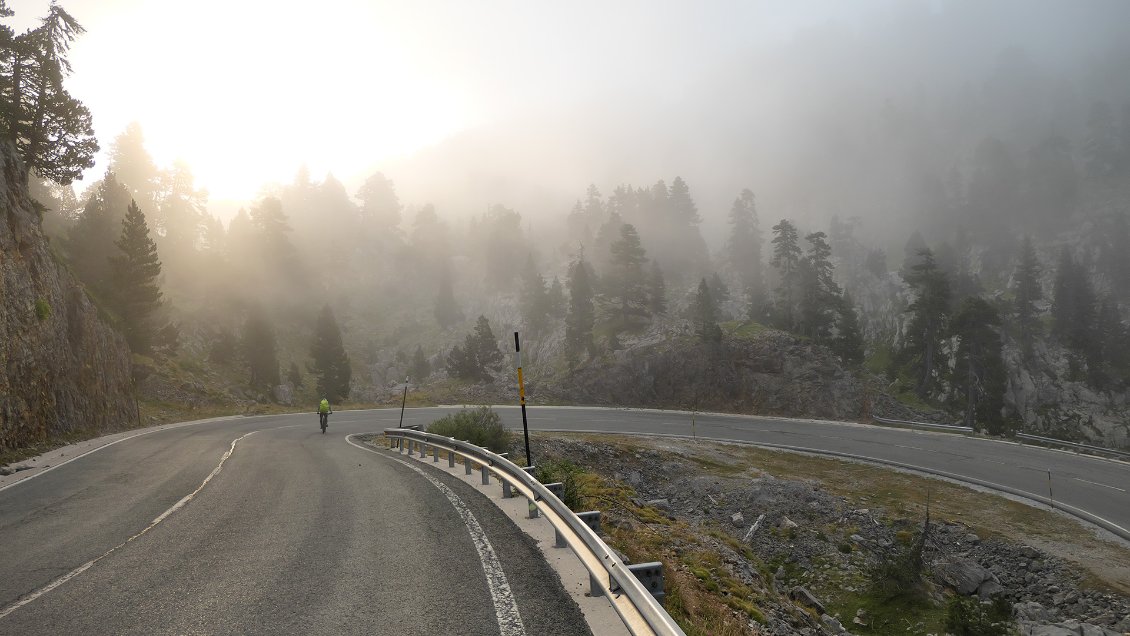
(263, 525)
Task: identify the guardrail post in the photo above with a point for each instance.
(435, 454)
(486, 476)
(467, 466)
(591, 519)
(557, 488)
(410, 444)
(596, 590)
(651, 575)
(451, 459)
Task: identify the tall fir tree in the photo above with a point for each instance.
(819, 293)
(1075, 315)
(135, 273)
(626, 281)
(555, 297)
(979, 373)
(1026, 289)
(90, 242)
(260, 349)
(478, 356)
(446, 311)
(848, 341)
(743, 248)
(705, 312)
(656, 291)
(51, 130)
(786, 259)
(533, 299)
(581, 318)
(420, 369)
(929, 321)
(331, 363)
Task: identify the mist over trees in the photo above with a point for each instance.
(953, 225)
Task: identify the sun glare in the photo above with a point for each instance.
(248, 92)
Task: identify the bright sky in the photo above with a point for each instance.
(246, 91)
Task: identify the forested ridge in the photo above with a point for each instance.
(995, 295)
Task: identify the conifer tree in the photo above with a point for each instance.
(446, 309)
(135, 272)
(1074, 314)
(743, 248)
(786, 259)
(848, 341)
(580, 320)
(478, 356)
(294, 375)
(705, 312)
(90, 241)
(979, 373)
(51, 129)
(556, 300)
(819, 293)
(534, 299)
(331, 363)
(929, 321)
(626, 282)
(261, 351)
(380, 206)
(656, 291)
(420, 369)
(1027, 293)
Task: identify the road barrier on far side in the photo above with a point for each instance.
(640, 611)
(926, 425)
(1075, 445)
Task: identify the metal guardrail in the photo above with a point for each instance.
(638, 609)
(1076, 445)
(926, 425)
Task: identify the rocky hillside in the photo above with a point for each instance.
(62, 369)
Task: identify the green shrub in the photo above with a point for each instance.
(567, 473)
(480, 426)
(42, 309)
(966, 616)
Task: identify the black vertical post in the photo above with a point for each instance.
(403, 399)
(522, 397)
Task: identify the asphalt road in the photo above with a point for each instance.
(298, 533)
(303, 533)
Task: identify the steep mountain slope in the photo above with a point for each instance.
(62, 369)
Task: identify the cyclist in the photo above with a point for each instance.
(324, 411)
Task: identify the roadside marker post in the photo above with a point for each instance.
(403, 399)
(522, 397)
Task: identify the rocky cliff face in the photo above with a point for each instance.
(62, 370)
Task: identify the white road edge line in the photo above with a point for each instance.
(166, 427)
(1088, 481)
(505, 607)
(164, 515)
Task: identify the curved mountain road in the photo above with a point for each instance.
(263, 525)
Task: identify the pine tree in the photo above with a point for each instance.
(656, 291)
(446, 309)
(743, 249)
(819, 293)
(331, 363)
(580, 320)
(90, 242)
(1027, 293)
(929, 320)
(848, 341)
(705, 312)
(979, 373)
(556, 300)
(626, 282)
(379, 204)
(261, 351)
(294, 376)
(478, 356)
(534, 299)
(51, 130)
(420, 369)
(1074, 314)
(135, 272)
(786, 259)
